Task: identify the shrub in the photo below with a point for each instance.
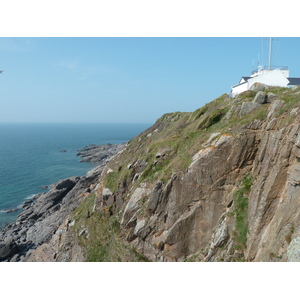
(211, 119)
(199, 112)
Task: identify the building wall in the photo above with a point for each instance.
(239, 88)
(272, 78)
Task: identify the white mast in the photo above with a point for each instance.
(270, 54)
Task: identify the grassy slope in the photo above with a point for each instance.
(99, 235)
(164, 148)
(181, 136)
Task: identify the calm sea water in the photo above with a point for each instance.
(31, 157)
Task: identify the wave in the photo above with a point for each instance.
(30, 197)
(28, 200)
(10, 210)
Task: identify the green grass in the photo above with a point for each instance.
(289, 96)
(246, 95)
(211, 119)
(112, 181)
(182, 135)
(241, 212)
(102, 241)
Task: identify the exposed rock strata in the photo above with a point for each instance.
(193, 214)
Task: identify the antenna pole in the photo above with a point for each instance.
(270, 54)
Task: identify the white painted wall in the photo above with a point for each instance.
(239, 88)
(272, 78)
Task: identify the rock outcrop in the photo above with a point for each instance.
(99, 154)
(219, 184)
(196, 215)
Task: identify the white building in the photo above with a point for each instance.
(271, 76)
(278, 76)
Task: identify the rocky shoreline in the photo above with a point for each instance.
(98, 153)
(42, 216)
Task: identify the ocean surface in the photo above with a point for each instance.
(32, 156)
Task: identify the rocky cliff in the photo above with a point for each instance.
(219, 184)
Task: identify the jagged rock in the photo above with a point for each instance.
(271, 97)
(133, 203)
(219, 237)
(8, 248)
(139, 226)
(154, 197)
(260, 98)
(234, 110)
(275, 107)
(27, 203)
(99, 153)
(247, 107)
(140, 165)
(242, 109)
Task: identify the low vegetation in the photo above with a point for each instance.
(154, 155)
(240, 212)
(180, 135)
(99, 235)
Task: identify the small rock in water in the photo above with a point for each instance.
(11, 210)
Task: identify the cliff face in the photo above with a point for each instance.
(236, 199)
(219, 184)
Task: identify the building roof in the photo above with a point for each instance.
(294, 81)
(243, 79)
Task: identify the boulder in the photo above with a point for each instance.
(260, 98)
(247, 107)
(257, 86)
(271, 97)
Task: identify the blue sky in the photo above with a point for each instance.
(131, 80)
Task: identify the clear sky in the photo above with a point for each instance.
(135, 79)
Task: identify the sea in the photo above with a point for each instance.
(33, 156)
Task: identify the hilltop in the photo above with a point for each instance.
(221, 183)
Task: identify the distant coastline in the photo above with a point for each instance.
(43, 213)
(32, 156)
